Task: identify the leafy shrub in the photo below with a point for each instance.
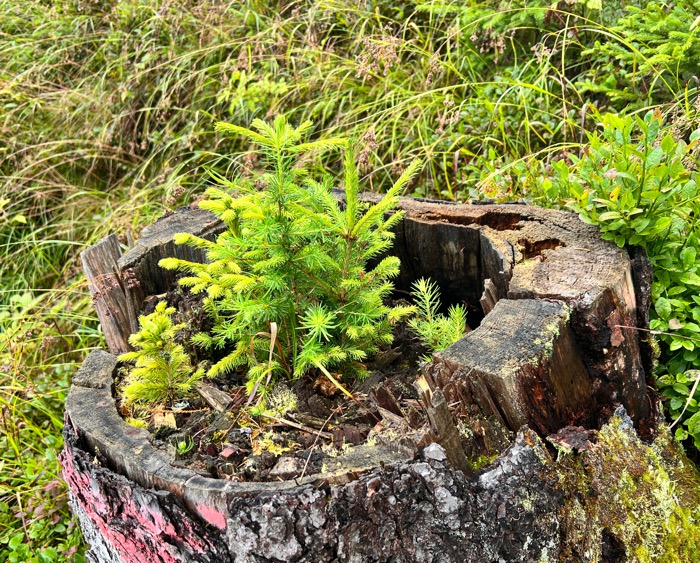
(639, 185)
(633, 182)
(435, 331)
(288, 284)
(163, 372)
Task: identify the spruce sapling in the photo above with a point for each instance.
(163, 372)
(287, 284)
(435, 330)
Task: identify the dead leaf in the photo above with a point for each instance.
(326, 386)
(164, 419)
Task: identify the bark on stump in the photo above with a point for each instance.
(557, 353)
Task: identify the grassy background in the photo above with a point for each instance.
(107, 121)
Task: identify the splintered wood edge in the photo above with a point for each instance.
(517, 354)
(527, 249)
(190, 220)
(91, 410)
(99, 263)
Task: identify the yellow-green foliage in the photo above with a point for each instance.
(435, 331)
(163, 372)
(629, 490)
(289, 284)
(136, 422)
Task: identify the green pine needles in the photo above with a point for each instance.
(435, 331)
(163, 371)
(288, 284)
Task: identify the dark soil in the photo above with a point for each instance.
(303, 441)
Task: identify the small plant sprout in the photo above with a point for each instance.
(184, 446)
(435, 330)
(163, 372)
(288, 284)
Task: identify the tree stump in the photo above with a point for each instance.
(556, 365)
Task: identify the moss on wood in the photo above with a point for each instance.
(629, 501)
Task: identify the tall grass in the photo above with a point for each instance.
(106, 121)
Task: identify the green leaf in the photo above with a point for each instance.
(651, 194)
(662, 224)
(692, 423)
(668, 144)
(676, 403)
(688, 255)
(690, 278)
(676, 290)
(654, 157)
(609, 215)
(689, 189)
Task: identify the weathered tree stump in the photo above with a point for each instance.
(557, 353)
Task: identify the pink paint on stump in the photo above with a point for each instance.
(211, 515)
(139, 544)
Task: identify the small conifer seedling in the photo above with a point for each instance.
(288, 284)
(435, 330)
(163, 372)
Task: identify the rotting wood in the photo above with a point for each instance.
(489, 298)
(213, 396)
(107, 292)
(443, 425)
(157, 242)
(417, 511)
(538, 255)
(384, 399)
(523, 360)
(525, 506)
(119, 283)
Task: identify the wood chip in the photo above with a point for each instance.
(215, 398)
